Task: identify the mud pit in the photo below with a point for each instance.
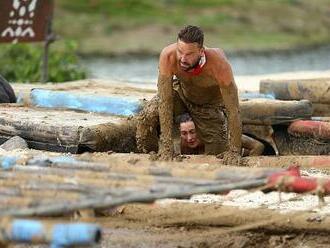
(204, 224)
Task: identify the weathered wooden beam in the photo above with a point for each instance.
(271, 112)
(145, 196)
(316, 90)
(140, 165)
(319, 162)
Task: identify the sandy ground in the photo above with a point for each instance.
(173, 223)
(211, 220)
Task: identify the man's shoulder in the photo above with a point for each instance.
(168, 51)
(216, 54)
(219, 64)
(167, 58)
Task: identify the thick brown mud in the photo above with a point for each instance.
(146, 127)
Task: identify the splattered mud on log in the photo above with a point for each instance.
(109, 137)
(147, 132)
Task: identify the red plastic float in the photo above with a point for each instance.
(307, 128)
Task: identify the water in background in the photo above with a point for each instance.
(144, 70)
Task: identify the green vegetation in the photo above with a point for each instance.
(22, 63)
(144, 26)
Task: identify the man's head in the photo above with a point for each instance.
(190, 47)
(188, 131)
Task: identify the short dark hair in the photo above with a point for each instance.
(183, 118)
(191, 34)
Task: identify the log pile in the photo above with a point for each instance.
(55, 185)
(315, 90)
(81, 131)
(300, 138)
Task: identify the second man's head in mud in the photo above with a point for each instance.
(190, 47)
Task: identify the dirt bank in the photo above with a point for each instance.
(202, 225)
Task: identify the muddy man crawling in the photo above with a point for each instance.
(199, 81)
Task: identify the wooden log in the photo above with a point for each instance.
(42, 128)
(14, 188)
(105, 177)
(123, 187)
(139, 181)
(319, 162)
(199, 167)
(145, 197)
(314, 90)
(321, 109)
(271, 112)
(41, 125)
(54, 147)
(23, 192)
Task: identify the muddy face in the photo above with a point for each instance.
(188, 134)
(188, 54)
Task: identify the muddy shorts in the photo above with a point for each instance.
(210, 121)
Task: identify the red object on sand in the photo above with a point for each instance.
(314, 129)
(291, 181)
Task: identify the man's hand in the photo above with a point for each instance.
(230, 158)
(166, 150)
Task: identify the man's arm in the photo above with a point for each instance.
(165, 107)
(230, 97)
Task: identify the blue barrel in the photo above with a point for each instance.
(91, 103)
(57, 235)
(255, 95)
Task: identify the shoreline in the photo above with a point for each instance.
(144, 54)
(244, 82)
